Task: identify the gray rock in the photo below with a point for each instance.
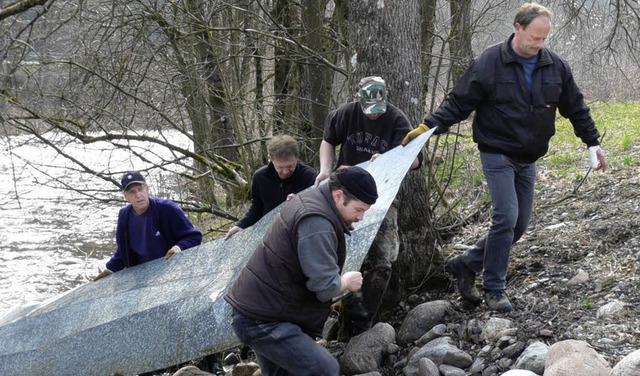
(392, 348)
(579, 278)
(246, 369)
(191, 371)
(572, 357)
(435, 332)
(330, 329)
(519, 372)
(493, 329)
(473, 330)
(504, 363)
(505, 341)
(628, 366)
(491, 370)
(611, 309)
(231, 359)
(533, 358)
(478, 365)
(426, 367)
(440, 351)
(449, 370)
(513, 350)
(421, 319)
(365, 352)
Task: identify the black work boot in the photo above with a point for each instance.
(466, 279)
(354, 319)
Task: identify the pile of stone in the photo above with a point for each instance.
(430, 342)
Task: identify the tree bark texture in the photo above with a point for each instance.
(460, 47)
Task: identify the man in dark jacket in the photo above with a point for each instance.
(515, 89)
(148, 227)
(283, 295)
(274, 183)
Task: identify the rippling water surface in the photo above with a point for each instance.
(54, 239)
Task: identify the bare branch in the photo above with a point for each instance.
(19, 7)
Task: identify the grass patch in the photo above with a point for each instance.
(619, 124)
(586, 304)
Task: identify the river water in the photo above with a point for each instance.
(54, 239)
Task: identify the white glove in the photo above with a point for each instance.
(102, 274)
(593, 156)
(172, 251)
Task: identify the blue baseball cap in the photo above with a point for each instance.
(131, 177)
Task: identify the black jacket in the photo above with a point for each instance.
(508, 120)
(269, 191)
(272, 286)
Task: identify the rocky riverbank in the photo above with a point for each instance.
(573, 281)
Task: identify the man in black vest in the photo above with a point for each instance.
(283, 295)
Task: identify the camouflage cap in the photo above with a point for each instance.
(373, 95)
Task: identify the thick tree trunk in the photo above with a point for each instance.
(394, 53)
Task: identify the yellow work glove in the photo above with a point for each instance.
(172, 251)
(102, 274)
(422, 128)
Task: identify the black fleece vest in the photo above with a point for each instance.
(272, 285)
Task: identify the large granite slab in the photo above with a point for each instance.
(164, 312)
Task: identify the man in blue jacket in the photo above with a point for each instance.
(515, 89)
(148, 227)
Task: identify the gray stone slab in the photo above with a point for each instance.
(164, 312)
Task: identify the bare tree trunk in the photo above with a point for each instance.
(315, 92)
(460, 40)
(282, 14)
(427, 34)
(394, 54)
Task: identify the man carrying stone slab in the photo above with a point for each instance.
(283, 295)
(148, 227)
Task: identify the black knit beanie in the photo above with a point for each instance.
(359, 183)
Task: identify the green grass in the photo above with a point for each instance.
(618, 123)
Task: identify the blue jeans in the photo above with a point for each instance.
(283, 349)
(511, 187)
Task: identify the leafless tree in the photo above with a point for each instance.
(225, 75)
(229, 74)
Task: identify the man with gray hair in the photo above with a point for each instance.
(274, 183)
(515, 89)
(148, 227)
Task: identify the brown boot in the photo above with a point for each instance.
(466, 279)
